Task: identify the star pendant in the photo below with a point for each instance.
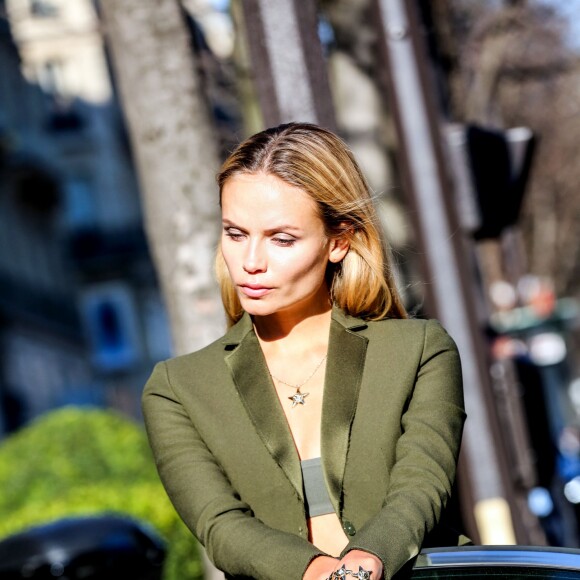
(298, 398)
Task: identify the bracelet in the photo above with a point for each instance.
(342, 572)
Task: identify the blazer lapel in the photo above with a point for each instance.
(250, 374)
(344, 370)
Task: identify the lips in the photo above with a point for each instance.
(254, 290)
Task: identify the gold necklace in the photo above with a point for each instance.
(298, 398)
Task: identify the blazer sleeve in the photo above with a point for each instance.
(236, 541)
(425, 458)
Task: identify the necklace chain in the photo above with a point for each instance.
(297, 387)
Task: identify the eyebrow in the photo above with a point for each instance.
(281, 227)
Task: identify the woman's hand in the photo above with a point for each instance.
(368, 562)
(320, 568)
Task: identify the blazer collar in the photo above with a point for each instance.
(344, 370)
(238, 331)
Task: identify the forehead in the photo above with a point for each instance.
(266, 198)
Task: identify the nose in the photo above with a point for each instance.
(254, 258)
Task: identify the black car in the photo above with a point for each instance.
(497, 562)
(102, 547)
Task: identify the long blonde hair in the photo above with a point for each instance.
(320, 164)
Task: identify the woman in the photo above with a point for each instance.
(319, 437)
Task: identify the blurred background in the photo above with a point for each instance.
(114, 119)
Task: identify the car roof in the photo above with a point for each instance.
(529, 556)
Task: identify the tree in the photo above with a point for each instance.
(176, 157)
(81, 462)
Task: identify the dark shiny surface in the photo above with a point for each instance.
(110, 547)
(510, 562)
(483, 572)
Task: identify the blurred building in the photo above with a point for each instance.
(81, 317)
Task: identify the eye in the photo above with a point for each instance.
(284, 241)
(233, 234)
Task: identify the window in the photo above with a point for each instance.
(79, 211)
(43, 8)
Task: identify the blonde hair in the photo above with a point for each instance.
(320, 164)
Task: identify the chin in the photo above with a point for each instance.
(257, 307)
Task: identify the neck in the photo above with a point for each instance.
(307, 327)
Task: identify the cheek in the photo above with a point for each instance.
(229, 255)
(313, 265)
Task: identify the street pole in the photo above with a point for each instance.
(450, 290)
(288, 66)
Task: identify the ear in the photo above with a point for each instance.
(339, 247)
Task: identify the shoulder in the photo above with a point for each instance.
(410, 337)
(171, 377)
(407, 327)
(402, 332)
(210, 357)
(207, 353)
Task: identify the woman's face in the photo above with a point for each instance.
(274, 245)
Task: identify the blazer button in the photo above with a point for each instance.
(348, 528)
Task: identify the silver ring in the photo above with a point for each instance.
(343, 572)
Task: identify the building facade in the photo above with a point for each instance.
(82, 319)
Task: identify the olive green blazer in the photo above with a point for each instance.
(392, 419)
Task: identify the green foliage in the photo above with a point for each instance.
(81, 462)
